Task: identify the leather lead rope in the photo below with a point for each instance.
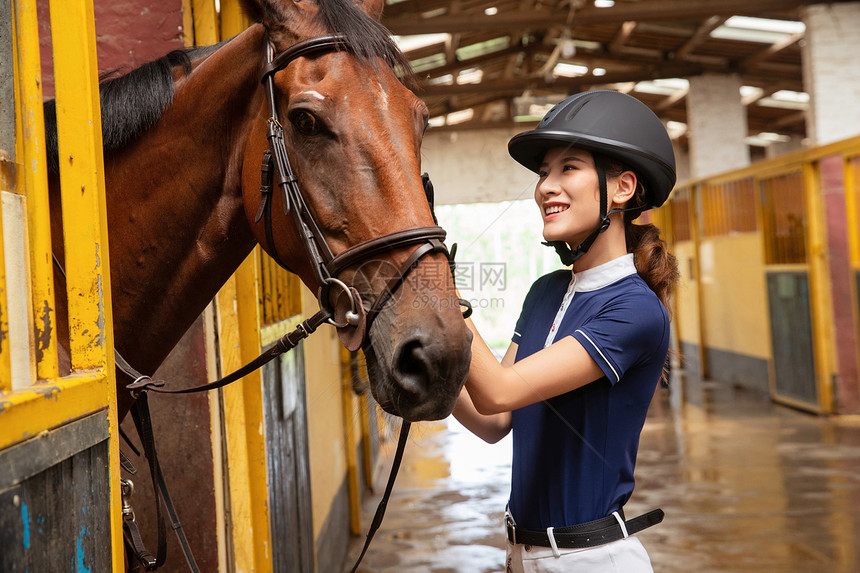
(143, 423)
(143, 382)
(383, 503)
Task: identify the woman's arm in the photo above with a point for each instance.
(499, 388)
(490, 428)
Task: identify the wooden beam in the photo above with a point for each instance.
(542, 19)
(773, 49)
(672, 99)
(700, 36)
(622, 36)
(765, 92)
(517, 86)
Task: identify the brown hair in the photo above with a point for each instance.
(654, 263)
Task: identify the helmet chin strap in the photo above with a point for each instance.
(568, 256)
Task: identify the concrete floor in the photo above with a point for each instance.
(747, 486)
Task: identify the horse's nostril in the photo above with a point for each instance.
(411, 367)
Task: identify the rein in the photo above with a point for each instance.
(326, 267)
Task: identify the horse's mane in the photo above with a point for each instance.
(134, 102)
(130, 103)
(365, 37)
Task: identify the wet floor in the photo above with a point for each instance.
(746, 485)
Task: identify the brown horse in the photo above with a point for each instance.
(184, 137)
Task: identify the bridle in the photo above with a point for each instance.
(326, 268)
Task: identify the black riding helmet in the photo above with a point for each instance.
(612, 125)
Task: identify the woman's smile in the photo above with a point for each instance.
(551, 209)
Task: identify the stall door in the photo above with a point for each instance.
(288, 465)
(785, 220)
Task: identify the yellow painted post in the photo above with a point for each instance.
(83, 198)
(366, 439)
(19, 297)
(205, 22)
(695, 234)
(82, 183)
(233, 20)
(240, 533)
(349, 441)
(244, 419)
(248, 306)
(187, 24)
(819, 288)
(852, 208)
(36, 187)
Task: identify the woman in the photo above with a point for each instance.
(589, 346)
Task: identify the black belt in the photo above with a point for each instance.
(591, 534)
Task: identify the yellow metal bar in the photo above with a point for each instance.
(786, 162)
(36, 187)
(350, 444)
(852, 207)
(23, 413)
(15, 352)
(205, 22)
(233, 19)
(240, 537)
(366, 439)
(247, 299)
(87, 265)
(238, 310)
(187, 24)
(82, 183)
(819, 288)
(696, 236)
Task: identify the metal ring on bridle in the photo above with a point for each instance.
(351, 317)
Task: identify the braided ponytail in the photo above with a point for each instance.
(654, 263)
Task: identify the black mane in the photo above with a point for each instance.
(365, 37)
(130, 103)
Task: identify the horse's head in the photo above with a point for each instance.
(352, 132)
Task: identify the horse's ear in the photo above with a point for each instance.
(372, 8)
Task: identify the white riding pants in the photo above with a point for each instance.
(622, 556)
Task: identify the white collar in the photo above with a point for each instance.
(603, 275)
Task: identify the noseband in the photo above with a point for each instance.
(325, 265)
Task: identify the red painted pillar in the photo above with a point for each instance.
(846, 391)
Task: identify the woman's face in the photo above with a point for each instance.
(568, 195)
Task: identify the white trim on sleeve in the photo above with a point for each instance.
(597, 348)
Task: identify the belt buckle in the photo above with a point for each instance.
(511, 529)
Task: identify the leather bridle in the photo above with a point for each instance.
(326, 266)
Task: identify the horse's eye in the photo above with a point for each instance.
(306, 122)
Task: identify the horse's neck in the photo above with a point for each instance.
(176, 218)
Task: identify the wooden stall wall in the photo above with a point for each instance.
(768, 257)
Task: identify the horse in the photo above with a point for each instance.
(183, 140)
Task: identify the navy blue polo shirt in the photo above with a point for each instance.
(574, 454)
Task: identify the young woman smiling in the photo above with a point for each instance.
(591, 341)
